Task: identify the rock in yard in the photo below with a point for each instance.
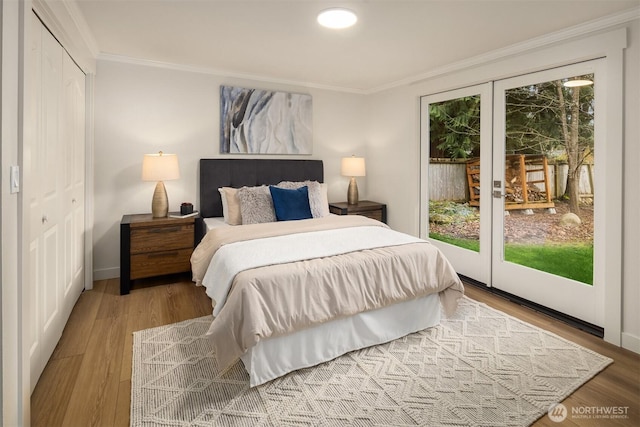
(570, 220)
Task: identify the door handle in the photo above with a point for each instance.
(497, 194)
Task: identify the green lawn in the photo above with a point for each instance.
(471, 244)
(574, 261)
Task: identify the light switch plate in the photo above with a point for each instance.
(14, 179)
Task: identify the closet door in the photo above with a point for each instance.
(53, 168)
(49, 236)
(73, 164)
(33, 209)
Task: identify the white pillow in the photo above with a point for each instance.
(230, 205)
(318, 200)
(324, 199)
(225, 207)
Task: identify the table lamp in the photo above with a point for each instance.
(160, 167)
(353, 166)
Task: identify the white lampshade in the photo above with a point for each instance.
(353, 166)
(160, 167)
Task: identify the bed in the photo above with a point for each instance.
(288, 295)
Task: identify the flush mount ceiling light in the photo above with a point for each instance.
(577, 83)
(337, 18)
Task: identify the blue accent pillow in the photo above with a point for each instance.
(291, 204)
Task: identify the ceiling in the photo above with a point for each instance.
(393, 40)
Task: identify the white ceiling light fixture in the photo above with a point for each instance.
(577, 83)
(337, 18)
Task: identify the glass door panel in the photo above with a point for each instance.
(454, 175)
(456, 139)
(544, 158)
(549, 162)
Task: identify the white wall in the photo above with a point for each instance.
(143, 109)
(394, 147)
(631, 195)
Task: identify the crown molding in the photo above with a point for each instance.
(66, 22)
(223, 73)
(580, 30)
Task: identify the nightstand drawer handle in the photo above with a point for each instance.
(165, 229)
(163, 255)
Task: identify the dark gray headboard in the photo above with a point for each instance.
(216, 173)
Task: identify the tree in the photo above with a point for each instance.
(545, 118)
(455, 128)
(552, 119)
(575, 147)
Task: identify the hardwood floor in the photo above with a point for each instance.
(87, 381)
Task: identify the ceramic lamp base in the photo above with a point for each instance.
(160, 202)
(352, 192)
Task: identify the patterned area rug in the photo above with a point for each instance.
(480, 367)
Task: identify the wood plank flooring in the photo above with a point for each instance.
(87, 381)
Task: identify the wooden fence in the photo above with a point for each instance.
(448, 180)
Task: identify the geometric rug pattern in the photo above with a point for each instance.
(480, 367)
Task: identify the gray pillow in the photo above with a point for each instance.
(317, 196)
(256, 205)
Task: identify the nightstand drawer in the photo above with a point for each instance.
(159, 263)
(375, 210)
(152, 239)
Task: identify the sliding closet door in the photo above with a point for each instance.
(53, 194)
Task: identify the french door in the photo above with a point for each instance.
(553, 264)
(454, 121)
(527, 217)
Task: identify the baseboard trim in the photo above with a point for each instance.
(106, 273)
(631, 342)
(572, 321)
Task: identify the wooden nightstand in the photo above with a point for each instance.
(154, 247)
(364, 207)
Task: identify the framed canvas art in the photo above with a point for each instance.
(254, 121)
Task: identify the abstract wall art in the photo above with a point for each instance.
(254, 121)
